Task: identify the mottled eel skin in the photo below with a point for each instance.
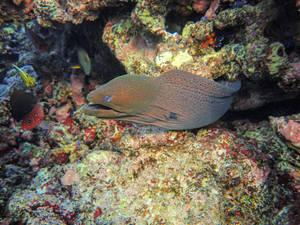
(177, 100)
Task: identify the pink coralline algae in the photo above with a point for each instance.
(200, 5)
(257, 175)
(77, 82)
(63, 112)
(70, 177)
(211, 12)
(289, 129)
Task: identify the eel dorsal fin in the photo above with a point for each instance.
(177, 78)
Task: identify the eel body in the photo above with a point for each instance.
(177, 100)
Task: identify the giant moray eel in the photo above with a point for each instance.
(176, 100)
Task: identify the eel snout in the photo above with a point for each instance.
(95, 107)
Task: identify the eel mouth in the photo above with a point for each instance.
(94, 106)
(102, 111)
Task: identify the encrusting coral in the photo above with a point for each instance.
(128, 37)
(75, 11)
(253, 56)
(214, 177)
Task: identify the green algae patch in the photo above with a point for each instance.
(276, 59)
(186, 32)
(163, 58)
(181, 58)
(8, 30)
(97, 157)
(83, 169)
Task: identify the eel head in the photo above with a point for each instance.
(124, 96)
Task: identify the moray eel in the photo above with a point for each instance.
(177, 100)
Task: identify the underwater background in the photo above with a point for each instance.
(126, 163)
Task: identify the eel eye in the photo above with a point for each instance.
(107, 98)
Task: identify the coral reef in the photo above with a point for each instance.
(288, 128)
(52, 11)
(13, 10)
(253, 56)
(76, 169)
(213, 177)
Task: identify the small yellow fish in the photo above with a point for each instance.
(29, 81)
(84, 60)
(76, 67)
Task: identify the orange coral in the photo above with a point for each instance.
(210, 41)
(28, 6)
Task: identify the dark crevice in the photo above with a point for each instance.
(257, 100)
(175, 21)
(285, 28)
(227, 35)
(277, 109)
(9, 57)
(238, 3)
(88, 35)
